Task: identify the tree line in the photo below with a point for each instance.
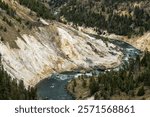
(102, 15)
(131, 80)
(38, 7)
(13, 89)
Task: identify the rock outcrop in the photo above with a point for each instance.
(55, 48)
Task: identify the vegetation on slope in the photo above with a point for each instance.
(132, 82)
(12, 89)
(121, 17)
(38, 7)
(8, 10)
(14, 22)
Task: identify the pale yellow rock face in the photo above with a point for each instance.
(140, 42)
(55, 48)
(143, 42)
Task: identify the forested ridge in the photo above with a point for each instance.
(38, 7)
(130, 17)
(13, 89)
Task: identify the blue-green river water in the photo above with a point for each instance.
(53, 88)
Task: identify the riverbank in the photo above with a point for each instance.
(130, 83)
(139, 42)
(54, 88)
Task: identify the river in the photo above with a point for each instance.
(53, 88)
